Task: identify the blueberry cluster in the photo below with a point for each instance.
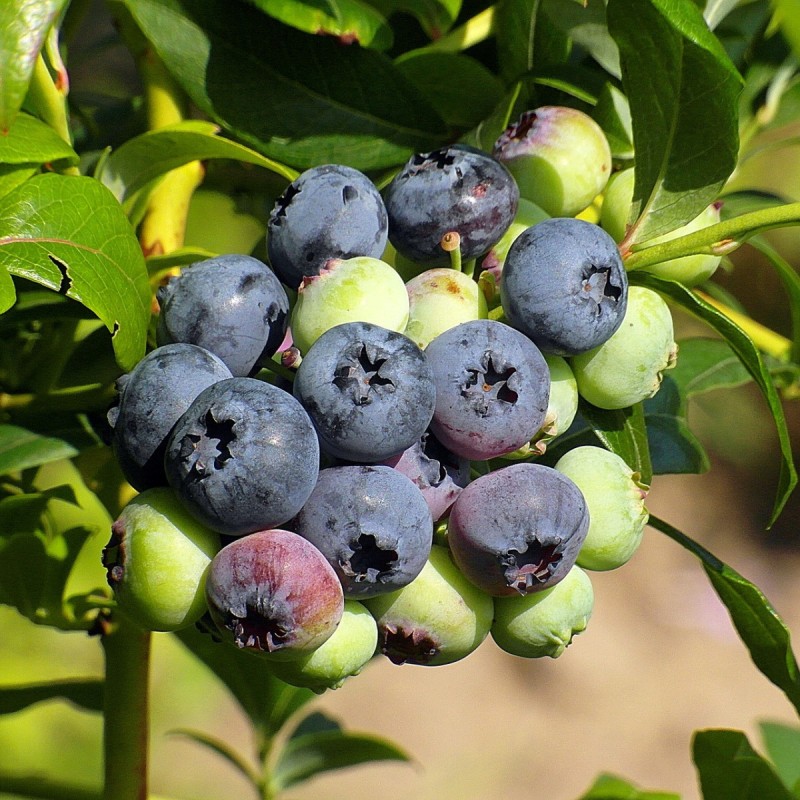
(354, 471)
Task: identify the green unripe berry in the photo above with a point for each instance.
(440, 299)
(438, 618)
(544, 623)
(615, 499)
(627, 368)
(559, 156)
(345, 654)
(157, 560)
(528, 215)
(360, 289)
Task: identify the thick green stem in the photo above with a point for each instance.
(719, 239)
(126, 711)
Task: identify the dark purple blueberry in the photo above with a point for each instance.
(232, 305)
(368, 390)
(244, 456)
(450, 189)
(372, 525)
(150, 400)
(492, 388)
(330, 211)
(517, 529)
(564, 285)
(273, 592)
(438, 473)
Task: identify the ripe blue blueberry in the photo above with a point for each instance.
(243, 457)
(372, 524)
(564, 285)
(492, 387)
(151, 398)
(518, 529)
(232, 305)
(330, 211)
(450, 189)
(368, 390)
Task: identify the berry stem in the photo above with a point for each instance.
(451, 243)
(126, 711)
(719, 239)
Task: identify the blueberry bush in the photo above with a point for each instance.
(428, 399)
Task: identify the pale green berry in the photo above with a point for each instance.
(615, 498)
(440, 299)
(157, 560)
(343, 655)
(563, 404)
(616, 208)
(360, 289)
(627, 368)
(528, 214)
(438, 618)
(559, 156)
(544, 623)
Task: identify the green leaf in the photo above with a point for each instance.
(730, 769)
(30, 141)
(584, 23)
(485, 134)
(782, 743)
(348, 20)
(435, 16)
(751, 359)
(760, 628)
(71, 235)
(21, 449)
(613, 114)
(623, 432)
(323, 750)
(8, 292)
(304, 100)
(13, 175)
(267, 701)
(460, 88)
(139, 161)
(706, 364)
(683, 92)
(87, 694)
(23, 27)
(611, 787)
(223, 749)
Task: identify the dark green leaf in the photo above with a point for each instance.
(87, 694)
(141, 160)
(21, 449)
(782, 743)
(301, 99)
(435, 16)
(706, 364)
(349, 20)
(460, 88)
(584, 24)
(485, 134)
(28, 785)
(683, 91)
(267, 701)
(751, 359)
(315, 722)
(716, 10)
(760, 628)
(613, 114)
(623, 432)
(30, 141)
(12, 175)
(23, 27)
(611, 787)
(224, 750)
(71, 235)
(729, 768)
(311, 754)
